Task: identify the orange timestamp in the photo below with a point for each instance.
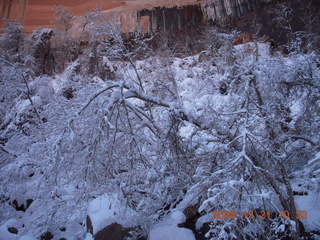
(255, 214)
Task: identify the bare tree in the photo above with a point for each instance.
(65, 45)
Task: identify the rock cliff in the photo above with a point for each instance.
(40, 13)
(36, 13)
(221, 9)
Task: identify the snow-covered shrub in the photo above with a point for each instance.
(167, 133)
(41, 51)
(11, 41)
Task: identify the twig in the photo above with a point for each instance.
(29, 97)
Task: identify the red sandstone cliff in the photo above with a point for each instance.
(36, 13)
(40, 13)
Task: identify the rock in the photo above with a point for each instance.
(300, 193)
(46, 236)
(223, 88)
(68, 93)
(222, 10)
(243, 38)
(112, 232)
(3, 141)
(89, 225)
(192, 215)
(37, 13)
(191, 212)
(16, 206)
(13, 230)
(200, 234)
(29, 202)
(41, 13)
(4, 198)
(21, 207)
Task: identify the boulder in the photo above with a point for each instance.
(21, 207)
(46, 236)
(13, 230)
(68, 93)
(114, 231)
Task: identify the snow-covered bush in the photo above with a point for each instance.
(41, 51)
(164, 134)
(11, 42)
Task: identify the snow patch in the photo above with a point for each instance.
(27, 237)
(5, 234)
(168, 229)
(202, 220)
(310, 203)
(108, 209)
(88, 237)
(171, 233)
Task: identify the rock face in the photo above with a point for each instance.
(40, 13)
(171, 19)
(144, 14)
(13, 9)
(221, 9)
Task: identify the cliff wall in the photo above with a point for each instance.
(146, 13)
(40, 13)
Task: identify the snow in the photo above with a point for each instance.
(264, 49)
(78, 168)
(108, 209)
(310, 203)
(27, 237)
(192, 196)
(315, 159)
(168, 229)
(176, 217)
(23, 105)
(281, 228)
(107, 63)
(202, 220)
(40, 34)
(88, 237)
(296, 110)
(171, 233)
(43, 87)
(248, 50)
(187, 130)
(73, 232)
(5, 234)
